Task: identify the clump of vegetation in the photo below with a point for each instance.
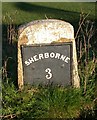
(58, 102)
(15, 102)
(40, 102)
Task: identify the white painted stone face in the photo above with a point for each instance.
(47, 31)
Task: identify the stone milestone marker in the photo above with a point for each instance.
(47, 53)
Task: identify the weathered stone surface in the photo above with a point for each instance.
(46, 31)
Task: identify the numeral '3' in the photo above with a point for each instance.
(49, 73)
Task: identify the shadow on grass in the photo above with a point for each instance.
(70, 16)
(29, 7)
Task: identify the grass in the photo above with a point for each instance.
(66, 11)
(46, 102)
(49, 101)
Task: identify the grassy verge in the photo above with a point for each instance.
(49, 101)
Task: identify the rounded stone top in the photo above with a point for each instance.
(46, 31)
